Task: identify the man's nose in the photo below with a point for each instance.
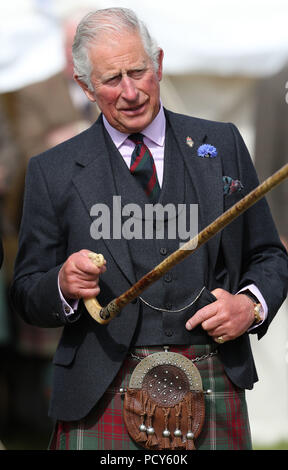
(129, 90)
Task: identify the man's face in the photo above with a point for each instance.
(125, 83)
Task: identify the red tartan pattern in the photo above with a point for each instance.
(226, 424)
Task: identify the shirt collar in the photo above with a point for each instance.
(155, 131)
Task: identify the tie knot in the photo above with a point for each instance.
(136, 138)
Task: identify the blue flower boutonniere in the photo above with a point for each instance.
(207, 151)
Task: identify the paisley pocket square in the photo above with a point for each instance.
(231, 186)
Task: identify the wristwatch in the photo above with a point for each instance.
(257, 305)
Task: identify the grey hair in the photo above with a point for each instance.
(109, 20)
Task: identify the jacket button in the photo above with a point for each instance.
(168, 332)
(163, 251)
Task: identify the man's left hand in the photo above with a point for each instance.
(228, 317)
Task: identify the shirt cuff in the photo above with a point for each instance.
(68, 309)
(264, 309)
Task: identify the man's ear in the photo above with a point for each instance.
(160, 64)
(90, 94)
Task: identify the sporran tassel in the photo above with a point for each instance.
(166, 433)
(189, 444)
(190, 412)
(152, 439)
(142, 435)
(177, 442)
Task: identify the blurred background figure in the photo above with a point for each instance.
(88, 111)
(37, 111)
(212, 70)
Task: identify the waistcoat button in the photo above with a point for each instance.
(168, 277)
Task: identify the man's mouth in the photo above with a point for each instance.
(133, 110)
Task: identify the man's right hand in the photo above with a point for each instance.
(79, 276)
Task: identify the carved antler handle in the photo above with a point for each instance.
(92, 305)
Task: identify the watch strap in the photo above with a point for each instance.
(257, 305)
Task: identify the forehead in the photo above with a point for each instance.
(112, 53)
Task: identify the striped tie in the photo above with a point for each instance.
(143, 167)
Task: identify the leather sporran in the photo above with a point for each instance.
(164, 404)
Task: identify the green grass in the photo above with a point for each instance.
(282, 445)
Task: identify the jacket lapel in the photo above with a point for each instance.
(205, 173)
(95, 184)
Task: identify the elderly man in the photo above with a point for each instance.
(203, 309)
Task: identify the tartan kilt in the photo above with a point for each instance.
(226, 425)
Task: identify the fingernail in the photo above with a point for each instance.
(188, 326)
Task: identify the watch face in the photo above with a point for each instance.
(257, 314)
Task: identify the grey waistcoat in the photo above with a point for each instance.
(168, 303)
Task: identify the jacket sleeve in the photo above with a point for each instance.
(34, 292)
(264, 259)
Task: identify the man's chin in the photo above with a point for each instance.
(134, 123)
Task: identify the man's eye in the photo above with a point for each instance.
(137, 73)
(113, 80)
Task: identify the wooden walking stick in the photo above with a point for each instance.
(103, 315)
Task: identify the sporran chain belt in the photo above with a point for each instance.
(196, 359)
